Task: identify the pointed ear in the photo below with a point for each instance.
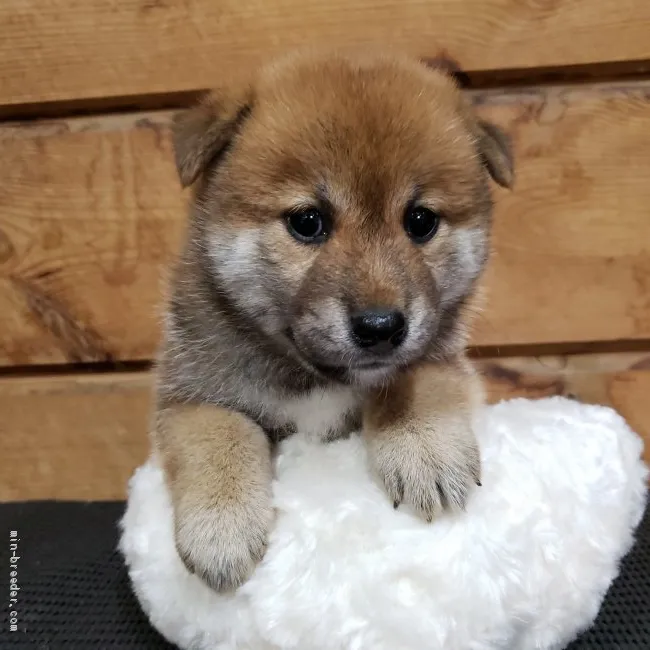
(494, 146)
(444, 63)
(201, 133)
(495, 149)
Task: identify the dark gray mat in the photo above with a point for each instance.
(74, 590)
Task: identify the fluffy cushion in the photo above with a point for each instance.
(525, 567)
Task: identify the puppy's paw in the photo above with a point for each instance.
(431, 468)
(222, 546)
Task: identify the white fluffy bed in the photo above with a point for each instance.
(526, 567)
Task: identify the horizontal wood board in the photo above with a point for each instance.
(63, 50)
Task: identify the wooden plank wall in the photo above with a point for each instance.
(91, 212)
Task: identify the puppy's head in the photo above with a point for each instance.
(343, 204)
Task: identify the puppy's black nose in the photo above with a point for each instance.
(378, 329)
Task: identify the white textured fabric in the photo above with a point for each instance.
(526, 567)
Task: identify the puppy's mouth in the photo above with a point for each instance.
(360, 373)
(357, 367)
(340, 372)
(372, 365)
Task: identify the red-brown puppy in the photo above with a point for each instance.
(340, 220)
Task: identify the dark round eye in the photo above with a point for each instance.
(307, 225)
(420, 223)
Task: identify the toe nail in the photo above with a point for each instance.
(396, 504)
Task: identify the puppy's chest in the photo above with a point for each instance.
(321, 413)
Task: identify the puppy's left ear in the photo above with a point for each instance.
(495, 149)
(494, 146)
(201, 133)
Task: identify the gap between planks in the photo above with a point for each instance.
(622, 73)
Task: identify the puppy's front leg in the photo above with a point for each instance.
(218, 468)
(420, 439)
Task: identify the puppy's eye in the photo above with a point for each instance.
(307, 225)
(420, 223)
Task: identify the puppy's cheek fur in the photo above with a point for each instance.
(465, 263)
(422, 319)
(261, 270)
(321, 330)
(317, 316)
(471, 250)
(456, 260)
(289, 259)
(236, 262)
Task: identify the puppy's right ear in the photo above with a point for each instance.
(201, 133)
(495, 149)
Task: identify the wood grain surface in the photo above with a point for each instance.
(72, 437)
(81, 437)
(91, 213)
(70, 49)
(571, 255)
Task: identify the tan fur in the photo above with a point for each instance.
(218, 468)
(258, 341)
(420, 438)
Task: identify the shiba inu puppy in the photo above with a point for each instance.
(339, 222)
